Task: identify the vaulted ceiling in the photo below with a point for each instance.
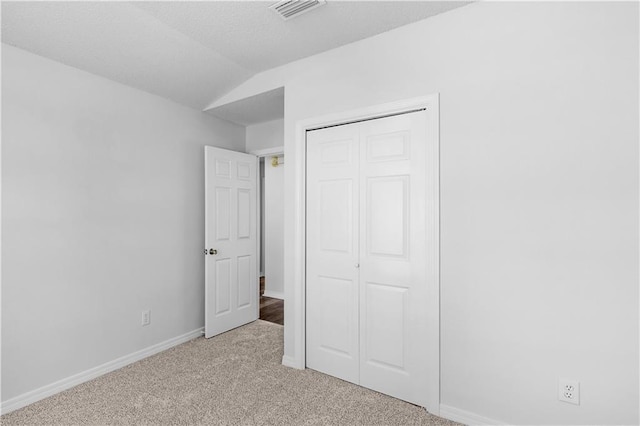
(194, 52)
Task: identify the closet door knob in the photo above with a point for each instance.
(357, 265)
(212, 251)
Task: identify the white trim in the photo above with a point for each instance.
(287, 361)
(278, 150)
(71, 381)
(297, 281)
(258, 235)
(466, 417)
(274, 294)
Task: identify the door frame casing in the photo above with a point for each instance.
(297, 286)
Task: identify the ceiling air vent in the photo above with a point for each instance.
(288, 9)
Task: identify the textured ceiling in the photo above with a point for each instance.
(253, 36)
(194, 52)
(123, 43)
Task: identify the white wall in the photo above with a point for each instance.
(269, 134)
(539, 194)
(261, 136)
(274, 229)
(103, 217)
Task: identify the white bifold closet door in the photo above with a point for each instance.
(366, 254)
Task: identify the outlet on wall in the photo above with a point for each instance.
(569, 391)
(146, 317)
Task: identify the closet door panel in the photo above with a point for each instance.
(392, 257)
(332, 251)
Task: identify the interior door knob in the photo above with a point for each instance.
(357, 265)
(212, 251)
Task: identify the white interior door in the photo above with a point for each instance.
(366, 254)
(231, 280)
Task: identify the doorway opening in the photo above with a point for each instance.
(271, 288)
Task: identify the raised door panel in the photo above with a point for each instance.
(222, 214)
(244, 213)
(339, 295)
(391, 146)
(244, 171)
(335, 153)
(245, 266)
(223, 286)
(222, 168)
(387, 218)
(385, 308)
(336, 215)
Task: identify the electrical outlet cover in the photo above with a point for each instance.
(569, 391)
(146, 318)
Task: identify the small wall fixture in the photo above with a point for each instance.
(276, 161)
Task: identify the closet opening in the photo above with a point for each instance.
(366, 258)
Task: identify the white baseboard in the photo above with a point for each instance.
(71, 381)
(274, 294)
(466, 417)
(287, 361)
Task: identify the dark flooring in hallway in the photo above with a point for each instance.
(271, 309)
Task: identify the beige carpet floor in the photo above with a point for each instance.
(233, 379)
